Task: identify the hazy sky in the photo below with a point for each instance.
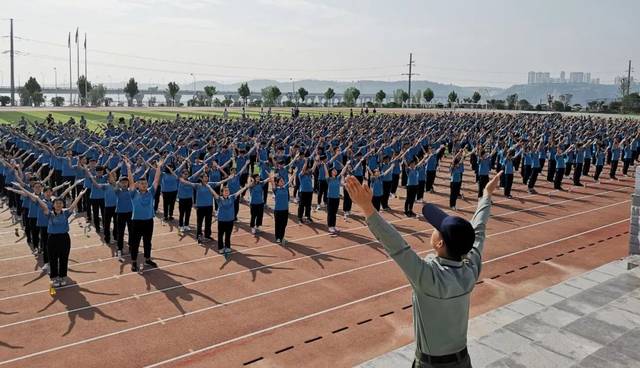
(466, 42)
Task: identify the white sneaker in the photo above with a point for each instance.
(45, 268)
(253, 230)
(119, 256)
(187, 228)
(63, 281)
(55, 282)
(317, 208)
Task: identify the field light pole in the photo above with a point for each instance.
(293, 89)
(193, 101)
(55, 79)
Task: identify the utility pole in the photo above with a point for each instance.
(55, 80)
(410, 74)
(629, 79)
(13, 86)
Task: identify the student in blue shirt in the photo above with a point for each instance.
(484, 167)
(561, 162)
(600, 159)
(226, 215)
(507, 171)
(204, 201)
(110, 202)
(306, 189)
(551, 169)
(456, 169)
(142, 198)
(169, 187)
(357, 172)
(124, 210)
(432, 166)
(377, 187)
(578, 160)
(615, 157)
(58, 241)
(334, 183)
(281, 208)
(627, 156)
(256, 203)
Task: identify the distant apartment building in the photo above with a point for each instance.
(574, 77)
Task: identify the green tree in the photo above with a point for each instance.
(131, 90)
(5, 100)
(380, 96)
(270, 95)
(397, 96)
(210, 91)
(512, 100)
(31, 93)
(244, 92)
(404, 97)
(351, 95)
(453, 97)
(329, 94)
(428, 95)
(631, 102)
(476, 97)
(81, 88)
(172, 90)
(96, 95)
(303, 93)
(417, 97)
(524, 105)
(557, 105)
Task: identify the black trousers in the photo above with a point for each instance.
(332, 210)
(411, 198)
(533, 177)
(614, 168)
(420, 190)
(482, 182)
(586, 166)
(577, 173)
(142, 230)
(455, 187)
(281, 217)
(526, 172)
(567, 171)
(184, 207)
(386, 191)
(123, 220)
(596, 176)
(224, 234)
(376, 200)
(431, 178)
(156, 198)
(35, 233)
(168, 203)
(44, 238)
(304, 204)
(97, 205)
(557, 181)
(395, 178)
(204, 214)
(508, 184)
(625, 165)
(323, 187)
(551, 171)
(109, 215)
(257, 212)
(87, 204)
(59, 248)
(347, 203)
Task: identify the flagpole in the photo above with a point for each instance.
(86, 80)
(78, 65)
(70, 73)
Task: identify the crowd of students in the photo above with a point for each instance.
(116, 175)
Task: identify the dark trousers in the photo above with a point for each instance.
(332, 211)
(35, 233)
(577, 173)
(567, 171)
(59, 248)
(97, 206)
(625, 165)
(257, 212)
(420, 190)
(281, 218)
(614, 168)
(184, 207)
(376, 200)
(224, 234)
(526, 172)
(142, 230)
(123, 220)
(455, 192)
(204, 214)
(323, 186)
(156, 198)
(464, 363)
(386, 191)
(533, 177)
(395, 178)
(411, 198)
(109, 215)
(168, 203)
(482, 182)
(586, 166)
(44, 238)
(431, 178)
(596, 176)
(347, 203)
(551, 171)
(87, 204)
(508, 183)
(557, 181)
(304, 204)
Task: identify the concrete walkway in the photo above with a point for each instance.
(589, 321)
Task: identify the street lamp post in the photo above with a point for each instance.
(293, 90)
(55, 78)
(194, 90)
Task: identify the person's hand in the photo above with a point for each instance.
(360, 194)
(492, 185)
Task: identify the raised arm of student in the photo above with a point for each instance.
(156, 178)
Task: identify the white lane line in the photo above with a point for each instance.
(308, 316)
(215, 255)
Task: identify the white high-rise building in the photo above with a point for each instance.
(562, 77)
(531, 78)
